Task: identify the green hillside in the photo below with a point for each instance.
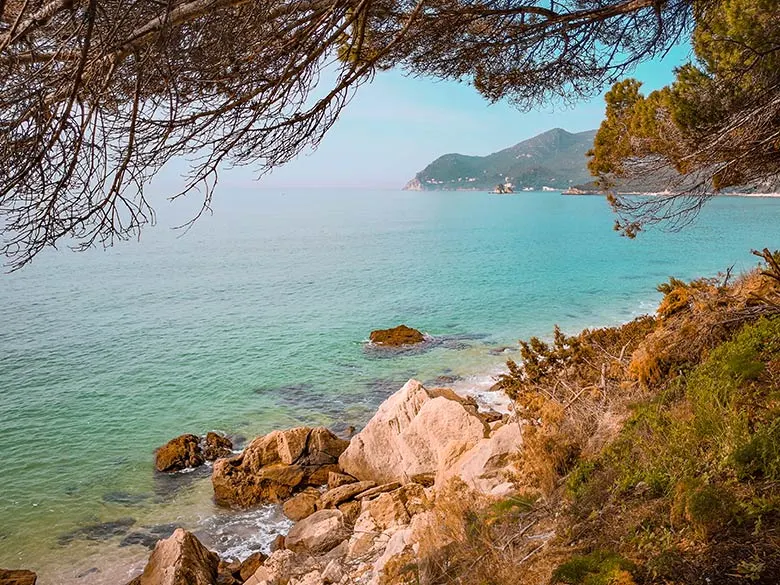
(555, 158)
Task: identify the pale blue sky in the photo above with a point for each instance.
(397, 125)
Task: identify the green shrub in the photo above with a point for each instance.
(760, 455)
(579, 477)
(597, 568)
(707, 508)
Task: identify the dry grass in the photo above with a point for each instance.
(472, 539)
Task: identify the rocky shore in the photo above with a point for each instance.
(363, 508)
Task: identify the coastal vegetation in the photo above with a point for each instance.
(650, 450)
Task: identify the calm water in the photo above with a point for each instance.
(256, 319)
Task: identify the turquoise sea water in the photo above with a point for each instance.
(256, 320)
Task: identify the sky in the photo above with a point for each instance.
(397, 125)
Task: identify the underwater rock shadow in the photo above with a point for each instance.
(455, 341)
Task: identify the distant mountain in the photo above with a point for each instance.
(554, 159)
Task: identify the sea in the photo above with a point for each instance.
(257, 318)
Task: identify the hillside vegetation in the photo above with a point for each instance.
(555, 158)
(651, 452)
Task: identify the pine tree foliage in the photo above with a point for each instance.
(717, 125)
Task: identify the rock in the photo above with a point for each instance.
(302, 505)
(393, 509)
(401, 335)
(387, 572)
(17, 577)
(351, 511)
(336, 496)
(318, 533)
(235, 487)
(415, 498)
(323, 448)
(180, 453)
(467, 401)
(333, 573)
(441, 430)
(277, 543)
(276, 569)
(227, 573)
(490, 416)
(281, 568)
(277, 465)
(250, 565)
(413, 433)
(494, 426)
(311, 578)
(380, 489)
(317, 475)
(388, 511)
(424, 479)
(336, 479)
(291, 444)
(216, 446)
(486, 466)
(180, 560)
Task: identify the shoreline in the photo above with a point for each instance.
(101, 567)
(234, 534)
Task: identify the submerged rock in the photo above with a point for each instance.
(277, 465)
(98, 531)
(401, 335)
(180, 560)
(180, 453)
(17, 577)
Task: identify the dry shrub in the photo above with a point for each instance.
(697, 316)
(570, 394)
(473, 539)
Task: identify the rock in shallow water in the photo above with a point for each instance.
(188, 451)
(401, 335)
(216, 446)
(180, 560)
(277, 465)
(180, 453)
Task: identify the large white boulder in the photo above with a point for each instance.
(413, 436)
(487, 466)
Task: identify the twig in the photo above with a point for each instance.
(530, 554)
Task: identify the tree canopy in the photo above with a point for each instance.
(96, 96)
(717, 125)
